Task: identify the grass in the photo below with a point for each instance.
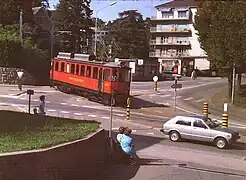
(21, 131)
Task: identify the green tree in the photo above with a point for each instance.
(75, 18)
(131, 33)
(222, 33)
(26, 56)
(10, 11)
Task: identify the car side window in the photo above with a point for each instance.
(198, 123)
(184, 122)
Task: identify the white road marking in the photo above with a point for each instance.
(47, 101)
(35, 100)
(91, 115)
(166, 95)
(23, 98)
(51, 110)
(15, 105)
(64, 112)
(75, 105)
(63, 103)
(78, 114)
(150, 133)
(134, 131)
(105, 117)
(177, 97)
(188, 99)
(122, 115)
(200, 100)
(239, 127)
(115, 129)
(7, 96)
(2, 104)
(22, 109)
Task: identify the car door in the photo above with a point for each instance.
(184, 127)
(200, 131)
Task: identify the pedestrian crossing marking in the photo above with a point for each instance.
(188, 99)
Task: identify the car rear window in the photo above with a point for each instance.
(184, 122)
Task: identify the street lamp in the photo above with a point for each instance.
(95, 45)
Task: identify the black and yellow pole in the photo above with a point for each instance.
(155, 85)
(128, 108)
(225, 121)
(205, 109)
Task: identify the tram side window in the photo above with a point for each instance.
(95, 72)
(106, 74)
(88, 71)
(77, 69)
(82, 70)
(62, 67)
(56, 66)
(72, 68)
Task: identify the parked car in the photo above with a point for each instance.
(199, 128)
(168, 75)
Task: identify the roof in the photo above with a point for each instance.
(36, 9)
(178, 3)
(192, 116)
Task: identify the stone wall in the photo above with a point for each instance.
(82, 159)
(9, 76)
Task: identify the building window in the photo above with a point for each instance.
(167, 14)
(82, 70)
(77, 69)
(106, 74)
(182, 14)
(72, 68)
(62, 67)
(88, 71)
(56, 66)
(95, 72)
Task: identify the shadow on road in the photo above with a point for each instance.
(137, 103)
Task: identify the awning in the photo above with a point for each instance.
(164, 9)
(181, 9)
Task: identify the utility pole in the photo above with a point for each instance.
(21, 38)
(233, 83)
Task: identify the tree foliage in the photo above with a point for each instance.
(222, 33)
(24, 56)
(75, 17)
(131, 33)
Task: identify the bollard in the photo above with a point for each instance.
(205, 109)
(225, 120)
(128, 109)
(155, 86)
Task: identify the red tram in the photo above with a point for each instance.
(91, 78)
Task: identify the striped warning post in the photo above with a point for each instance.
(205, 109)
(128, 109)
(225, 120)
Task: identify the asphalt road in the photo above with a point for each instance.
(150, 143)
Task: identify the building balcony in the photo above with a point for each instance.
(170, 43)
(171, 18)
(169, 30)
(169, 55)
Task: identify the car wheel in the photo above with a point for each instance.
(174, 136)
(221, 143)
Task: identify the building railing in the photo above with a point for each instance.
(169, 54)
(170, 18)
(171, 30)
(154, 42)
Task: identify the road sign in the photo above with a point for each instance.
(155, 78)
(176, 86)
(30, 92)
(20, 74)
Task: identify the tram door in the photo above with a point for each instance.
(100, 81)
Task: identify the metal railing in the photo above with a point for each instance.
(171, 30)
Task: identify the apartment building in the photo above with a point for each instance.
(173, 37)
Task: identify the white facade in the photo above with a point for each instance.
(174, 38)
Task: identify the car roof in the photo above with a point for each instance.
(193, 116)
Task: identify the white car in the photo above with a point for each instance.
(199, 128)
